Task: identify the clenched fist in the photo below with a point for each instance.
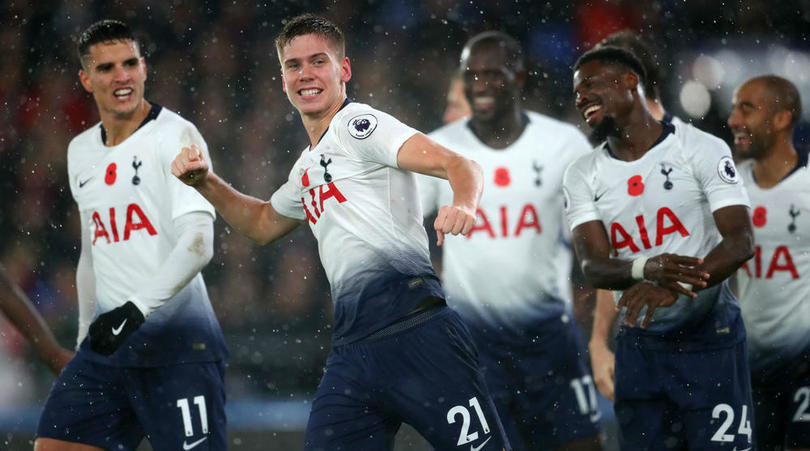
(190, 166)
(453, 220)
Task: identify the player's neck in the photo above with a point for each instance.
(316, 124)
(502, 131)
(776, 164)
(631, 140)
(118, 128)
(656, 109)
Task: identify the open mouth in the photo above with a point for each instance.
(122, 93)
(590, 112)
(483, 102)
(741, 139)
(309, 92)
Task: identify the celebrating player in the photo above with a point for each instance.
(24, 316)
(503, 278)
(773, 295)
(399, 354)
(660, 213)
(602, 359)
(152, 362)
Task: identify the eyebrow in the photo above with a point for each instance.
(314, 55)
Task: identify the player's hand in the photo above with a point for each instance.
(453, 220)
(672, 271)
(602, 364)
(644, 294)
(111, 329)
(190, 166)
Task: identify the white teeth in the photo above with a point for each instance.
(122, 92)
(483, 101)
(591, 109)
(309, 92)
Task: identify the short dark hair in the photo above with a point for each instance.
(784, 96)
(511, 47)
(107, 30)
(646, 55)
(613, 55)
(311, 24)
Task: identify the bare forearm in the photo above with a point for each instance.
(604, 317)
(19, 310)
(466, 180)
(727, 257)
(246, 214)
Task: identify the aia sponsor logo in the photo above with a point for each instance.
(780, 260)
(666, 223)
(497, 224)
(105, 224)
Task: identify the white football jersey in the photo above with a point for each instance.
(514, 267)
(660, 203)
(773, 296)
(364, 211)
(130, 198)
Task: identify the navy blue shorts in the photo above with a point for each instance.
(175, 407)
(675, 399)
(782, 405)
(541, 387)
(426, 375)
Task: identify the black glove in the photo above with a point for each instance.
(111, 329)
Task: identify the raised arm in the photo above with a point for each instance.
(22, 314)
(252, 217)
(423, 155)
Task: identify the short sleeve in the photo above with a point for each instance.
(287, 200)
(715, 170)
(374, 136)
(579, 205)
(184, 199)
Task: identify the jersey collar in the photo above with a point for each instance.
(152, 115)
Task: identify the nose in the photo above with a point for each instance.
(305, 72)
(734, 119)
(121, 74)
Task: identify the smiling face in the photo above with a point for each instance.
(603, 92)
(751, 120)
(314, 75)
(115, 73)
(492, 88)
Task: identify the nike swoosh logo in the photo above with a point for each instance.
(476, 448)
(117, 330)
(82, 183)
(188, 446)
(596, 197)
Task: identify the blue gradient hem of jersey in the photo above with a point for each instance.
(385, 298)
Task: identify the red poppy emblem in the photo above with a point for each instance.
(502, 177)
(760, 217)
(635, 186)
(305, 178)
(109, 177)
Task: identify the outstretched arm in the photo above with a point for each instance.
(252, 217)
(423, 155)
(19, 310)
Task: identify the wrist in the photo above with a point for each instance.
(142, 307)
(637, 268)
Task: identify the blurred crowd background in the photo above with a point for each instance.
(215, 64)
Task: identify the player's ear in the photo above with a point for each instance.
(345, 70)
(85, 80)
(143, 66)
(283, 82)
(630, 80)
(781, 120)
